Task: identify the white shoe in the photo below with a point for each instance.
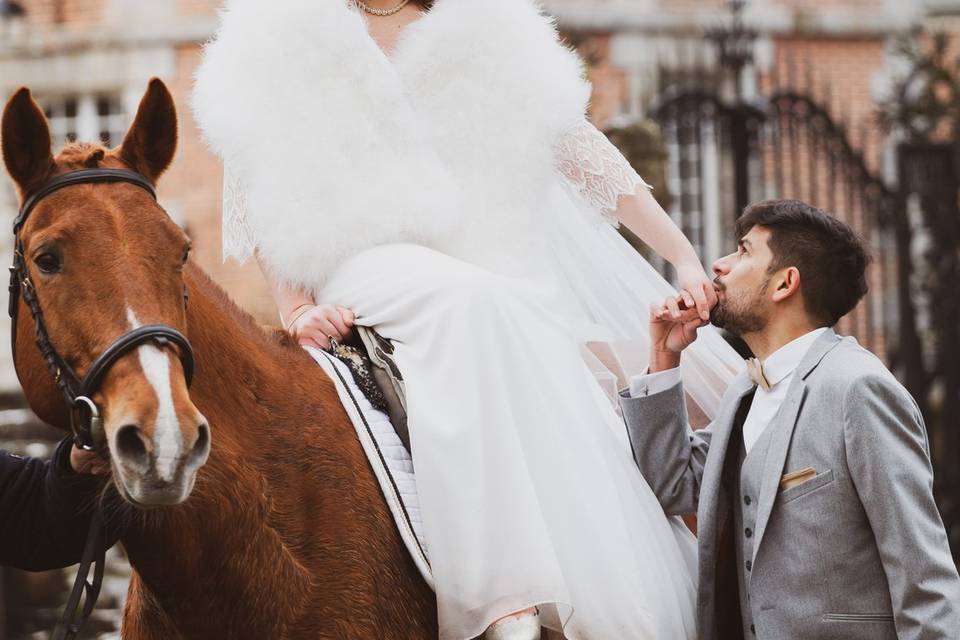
(526, 627)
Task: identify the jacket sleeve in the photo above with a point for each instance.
(889, 462)
(45, 510)
(670, 455)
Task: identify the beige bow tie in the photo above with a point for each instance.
(755, 369)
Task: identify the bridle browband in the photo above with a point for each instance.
(85, 422)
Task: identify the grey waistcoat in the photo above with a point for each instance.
(745, 515)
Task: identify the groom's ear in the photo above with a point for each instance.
(786, 283)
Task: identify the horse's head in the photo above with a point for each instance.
(103, 259)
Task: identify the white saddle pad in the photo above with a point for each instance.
(389, 459)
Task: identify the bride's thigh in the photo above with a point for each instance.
(393, 282)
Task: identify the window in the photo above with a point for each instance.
(111, 119)
(98, 117)
(62, 116)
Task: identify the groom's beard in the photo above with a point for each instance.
(740, 313)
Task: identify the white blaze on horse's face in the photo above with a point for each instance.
(157, 470)
(167, 440)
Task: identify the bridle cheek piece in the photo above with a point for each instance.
(85, 421)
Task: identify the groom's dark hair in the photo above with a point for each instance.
(831, 257)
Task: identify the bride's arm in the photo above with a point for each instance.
(290, 301)
(644, 216)
(593, 166)
(311, 324)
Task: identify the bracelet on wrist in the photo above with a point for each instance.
(302, 310)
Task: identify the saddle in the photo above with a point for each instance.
(370, 387)
(369, 356)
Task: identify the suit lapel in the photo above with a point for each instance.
(782, 432)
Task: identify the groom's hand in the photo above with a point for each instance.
(673, 328)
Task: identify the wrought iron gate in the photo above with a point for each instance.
(726, 150)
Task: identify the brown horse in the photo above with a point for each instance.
(283, 531)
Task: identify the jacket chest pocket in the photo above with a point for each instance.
(808, 486)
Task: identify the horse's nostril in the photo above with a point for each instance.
(130, 447)
(201, 447)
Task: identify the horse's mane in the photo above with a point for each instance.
(242, 319)
(81, 155)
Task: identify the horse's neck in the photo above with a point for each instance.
(257, 392)
(286, 524)
(255, 385)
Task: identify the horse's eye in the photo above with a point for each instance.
(48, 262)
(185, 257)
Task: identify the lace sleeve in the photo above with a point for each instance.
(595, 168)
(236, 236)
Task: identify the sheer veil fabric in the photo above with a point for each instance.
(612, 282)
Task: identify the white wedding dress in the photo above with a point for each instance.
(528, 491)
(454, 197)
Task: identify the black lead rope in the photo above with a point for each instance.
(94, 554)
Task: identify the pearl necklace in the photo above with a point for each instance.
(381, 12)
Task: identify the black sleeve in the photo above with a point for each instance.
(45, 510)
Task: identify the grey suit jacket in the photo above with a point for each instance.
(856, 552)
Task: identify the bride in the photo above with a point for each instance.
(426, 169)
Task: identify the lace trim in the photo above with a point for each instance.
(237, 238)
(593, 166)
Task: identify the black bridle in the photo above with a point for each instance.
(85, 422)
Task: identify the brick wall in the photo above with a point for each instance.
(75, 13)
(838, 75)
(195, 183)
(198, 7)
(80, 14)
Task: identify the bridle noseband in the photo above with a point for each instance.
(85, 422)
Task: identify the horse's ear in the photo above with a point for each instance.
(151, 142)
(26, 141)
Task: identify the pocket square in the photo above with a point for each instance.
(795, 478)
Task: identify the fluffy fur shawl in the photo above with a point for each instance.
(448, 143)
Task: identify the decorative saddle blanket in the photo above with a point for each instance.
(389, 458)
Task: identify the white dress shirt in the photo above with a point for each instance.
(778, 369)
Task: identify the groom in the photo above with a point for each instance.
(813, 486)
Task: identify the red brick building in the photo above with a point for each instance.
(88, 62)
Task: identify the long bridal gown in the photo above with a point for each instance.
(527, 486)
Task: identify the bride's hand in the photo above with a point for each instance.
(318, 324)
(696, 289)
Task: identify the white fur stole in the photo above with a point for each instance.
(448, 143)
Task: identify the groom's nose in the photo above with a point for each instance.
(722, 266)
